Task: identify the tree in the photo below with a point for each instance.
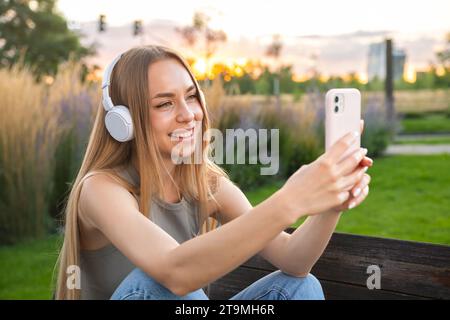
(200, 29)
(443, 55)
(274, 51)
(34, 33)
(442, 80)
(285, 75)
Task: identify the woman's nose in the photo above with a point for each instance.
(185, 112)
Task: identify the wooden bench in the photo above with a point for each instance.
(409, 270)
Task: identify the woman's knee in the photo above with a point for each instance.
(138, 285)
(304, 288)
(314, 287)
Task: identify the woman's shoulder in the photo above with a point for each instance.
(100, 177)
(101, 193)
(120, 176)
(225, 193)
(105, 184)
(225, 187)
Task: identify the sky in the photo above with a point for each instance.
(337, 32)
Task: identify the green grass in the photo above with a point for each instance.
(409, 199)
(430, 140)
(432, 123)
(26, 269)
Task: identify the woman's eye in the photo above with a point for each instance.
(192, 96)
(163, 105)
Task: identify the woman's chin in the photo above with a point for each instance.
(187, 149)
(183, 149)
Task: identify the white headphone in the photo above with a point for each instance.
(118, 118)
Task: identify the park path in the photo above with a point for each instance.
(420, 149)
(394, 149)
(417, 136)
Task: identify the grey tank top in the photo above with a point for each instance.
(104, 269)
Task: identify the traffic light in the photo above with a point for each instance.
(102, 23)
(137, 28)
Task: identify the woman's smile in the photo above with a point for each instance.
(182, 134)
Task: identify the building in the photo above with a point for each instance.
(376, 65)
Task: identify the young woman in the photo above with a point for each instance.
(140, 226)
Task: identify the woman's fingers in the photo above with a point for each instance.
(366, 162)
(357, 189)
(356, 201)
(355, 178)
(345, 142)
(340, 147)
(351, 162)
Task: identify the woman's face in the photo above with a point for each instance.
(174, 108)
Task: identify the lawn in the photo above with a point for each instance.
(427, 140)
(430, 123)
(409, 199)
(26, 269)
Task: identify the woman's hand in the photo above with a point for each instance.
(366, 162)
(360, 190)
(324, 184)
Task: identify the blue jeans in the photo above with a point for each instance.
(274, 286)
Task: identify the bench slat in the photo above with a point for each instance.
(407, 267)
(409, 270)
(240, 278)
(344, 291)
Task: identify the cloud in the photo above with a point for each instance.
(356, 34)
(421, 51)
(336, 54)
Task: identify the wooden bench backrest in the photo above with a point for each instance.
(409, 270)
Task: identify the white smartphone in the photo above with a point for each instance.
(342, 115)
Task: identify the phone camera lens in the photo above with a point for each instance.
(336, 109)
(336, 99)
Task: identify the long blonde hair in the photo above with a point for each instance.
(129, 86)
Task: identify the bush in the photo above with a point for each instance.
(78, 102)
(377, 133)
(42, 138)
(413, 115)
(28, 135)
(299, 142)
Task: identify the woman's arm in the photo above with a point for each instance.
(307, 243)
(205, 258)
(230, 210)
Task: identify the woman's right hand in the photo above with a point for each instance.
(324, 183)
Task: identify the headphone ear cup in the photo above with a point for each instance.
(119, 124)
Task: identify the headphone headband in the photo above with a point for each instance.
(106, 82)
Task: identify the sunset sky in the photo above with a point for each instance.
(337, 32)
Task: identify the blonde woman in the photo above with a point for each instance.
(140, 226)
